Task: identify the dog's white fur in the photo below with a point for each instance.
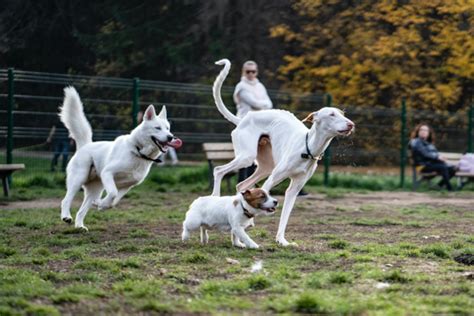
(226, 214)
(115, 166)
(281, 157)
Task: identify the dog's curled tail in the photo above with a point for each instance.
(216, 92)
(73, 117)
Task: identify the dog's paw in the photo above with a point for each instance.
(239, 245)
(253, 246)
(67, 219)
(82, 228)
(103, 205)
(283, 242)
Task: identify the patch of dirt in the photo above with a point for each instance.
(46, 203)
(396, 199)
(40, 203)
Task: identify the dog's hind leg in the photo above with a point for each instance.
(245, 148)
(92, 192)
(76, 177)
(277, 176)
(221, 171)
(121, 193)
(204, 236)
(258, 175)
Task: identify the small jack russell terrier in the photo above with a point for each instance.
(228, 213)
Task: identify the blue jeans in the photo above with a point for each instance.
(60, 147)
(443, 169)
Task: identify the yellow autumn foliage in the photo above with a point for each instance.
(373, 53)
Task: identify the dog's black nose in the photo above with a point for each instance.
(275, 202)
(170, 138)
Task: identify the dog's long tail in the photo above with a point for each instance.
(216, 92)
(73, 117)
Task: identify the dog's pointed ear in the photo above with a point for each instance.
(150, 113)
(312, 118)
(308, 118)
(163, 114)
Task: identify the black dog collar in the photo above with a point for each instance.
(246, 212)
(308, 154)
(157, 160)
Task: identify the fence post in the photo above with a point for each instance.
(470, 118)
(403, 143)
(327, 152)
(135, 104)
(10, 105)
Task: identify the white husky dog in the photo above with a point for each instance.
(115, 166)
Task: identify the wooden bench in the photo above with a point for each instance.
(451, 158)
(220, 153)
(463, 178)
(5, 172)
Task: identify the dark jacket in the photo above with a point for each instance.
(423, 152)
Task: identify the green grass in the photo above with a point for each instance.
(132, 260)
(36, 180)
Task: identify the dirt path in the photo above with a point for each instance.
(351, 199)
(397, 199)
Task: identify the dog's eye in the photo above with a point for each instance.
(158, 128)
(332, 114)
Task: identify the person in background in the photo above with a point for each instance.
(425, 154)
(60, 142)
(250, 95)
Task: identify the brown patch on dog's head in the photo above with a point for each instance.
(255, 197)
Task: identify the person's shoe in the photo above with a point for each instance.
(303, 193)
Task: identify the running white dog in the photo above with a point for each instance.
(228, 213)
(282, 145)
(115, 166)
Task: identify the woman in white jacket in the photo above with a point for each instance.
(250, 95)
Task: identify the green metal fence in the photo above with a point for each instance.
(29, 104)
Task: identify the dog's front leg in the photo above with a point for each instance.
(294, 188)
(107, 178)
(236, 241)
(242, 235)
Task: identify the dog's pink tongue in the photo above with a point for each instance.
(175, 143)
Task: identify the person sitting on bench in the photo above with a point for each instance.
(425, 154)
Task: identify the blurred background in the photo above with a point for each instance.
(389, 64)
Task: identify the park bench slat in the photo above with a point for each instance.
(223, 155)
(464, 174)
(12, 167)
(218, 147)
